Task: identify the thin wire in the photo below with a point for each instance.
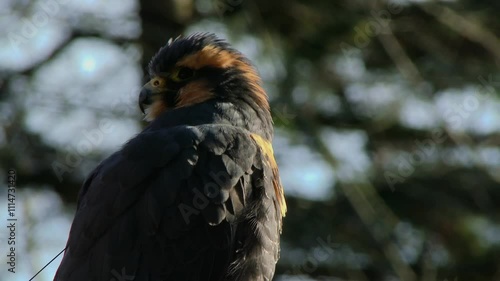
(47, 264)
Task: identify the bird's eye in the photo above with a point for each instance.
(182, 74)
(158, 82)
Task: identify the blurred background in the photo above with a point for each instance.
(387, 119)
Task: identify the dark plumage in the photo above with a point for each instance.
(196, 195)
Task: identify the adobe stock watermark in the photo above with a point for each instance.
(74, 156)
(455, 118)
(283, 114)
(223, 6)
(201, 200)
(408, 162)
(30, 26)
(377, 24)
(321, 253)
(121, 276)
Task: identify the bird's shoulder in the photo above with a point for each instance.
(183, 187)
(194, 170)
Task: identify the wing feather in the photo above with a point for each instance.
(165, 207)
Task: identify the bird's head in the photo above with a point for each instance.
(196, 69)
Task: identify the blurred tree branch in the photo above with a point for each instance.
(465, 27)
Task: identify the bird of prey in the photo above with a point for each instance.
(196, 196)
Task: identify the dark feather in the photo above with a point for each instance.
(129, 218)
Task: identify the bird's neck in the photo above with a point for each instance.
(242, 101)
(240, 113)
(245, 114)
